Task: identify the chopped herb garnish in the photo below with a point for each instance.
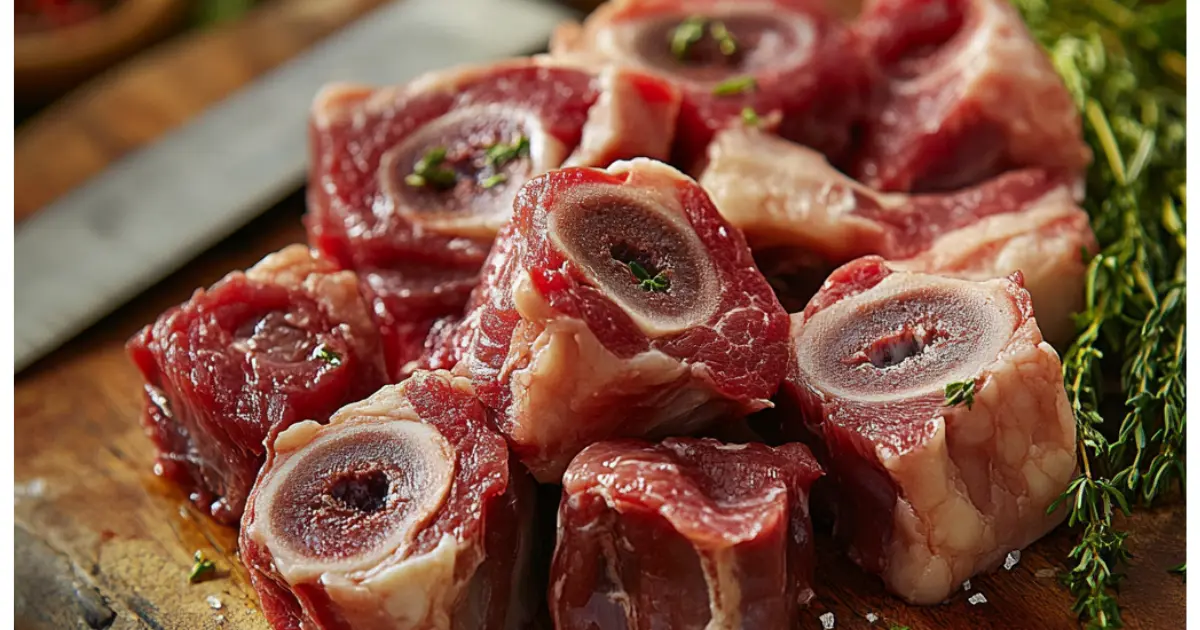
(687, 34)
(323, 353)
(736, 85)
(494, 180)
(1180, 568)
(750, 117)
(202, 569)
(960, 392)
(500, 154)
(428, 171)
(725, 40)
(658, 282)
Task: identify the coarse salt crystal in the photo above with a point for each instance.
(220, 620)
(214, 602)
(872, 617)
(977, 599)
(1012, 559)
(967, 585)
(827, 621)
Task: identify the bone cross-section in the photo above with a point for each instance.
(287, 340)
(404, 512)
(940, 416)
(689, 534)
(618, 304)
(787, 65)
(409, 184)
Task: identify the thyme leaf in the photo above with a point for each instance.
(658, 282)
(960, 392)
(687, 34)
(1122, 63)
(202, 568)
(428, 171)
(492, 181)
(734, 86)
(750, 117)
(323, 353)
(500, 153)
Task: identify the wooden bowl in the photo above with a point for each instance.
(48, 63)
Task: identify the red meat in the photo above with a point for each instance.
(687, 534)
(290, 339)
(620, 304)
(403, 512)
(941, 417)
(421, 176)
(965, 93)
(789, 65)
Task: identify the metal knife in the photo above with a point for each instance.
(147, 215)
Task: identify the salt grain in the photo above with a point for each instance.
(827, 621)
(872, 617)
(1012, 559)
(220, 619)
(214, 602)
(977, 599)
(967, 585)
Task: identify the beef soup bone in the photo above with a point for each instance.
(792, 205)
(617, 304)
(789, 64)
(402, 512)
(287, 340)
(409, 184)
(965, 93)
(940, 416)
(686, 534)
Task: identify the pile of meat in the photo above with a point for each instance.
(578, 268)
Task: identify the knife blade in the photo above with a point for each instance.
(103, 243)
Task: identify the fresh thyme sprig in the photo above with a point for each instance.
(1122, 60)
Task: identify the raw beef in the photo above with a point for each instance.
(687, 534)
(965, 93)
(403, 512)
(416, 179)
(290, 339)
(802, 217)
(620, 304)
(932, 486)
(788, 65)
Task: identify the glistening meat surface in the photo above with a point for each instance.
(403, 512)
(788, 63)
(964, 93)
(931, 489)
(618, 304)
(801, 214)
(686, 534)
(409, 184)
(290, 339)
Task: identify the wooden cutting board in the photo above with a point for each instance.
(102, 543)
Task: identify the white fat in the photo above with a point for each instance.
(571, 375)
(416, 593)
(546, 152)
(293, 565)
(297, 436)
(781, 194)
(621, 124)
(724, 590)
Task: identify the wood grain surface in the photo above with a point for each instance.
(102, 542)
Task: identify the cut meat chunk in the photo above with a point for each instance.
(799, 213)
(403, 512)
(789, 65)
(620, 304)
(687, 534)
(419, 177)
(290, 339)
(967, 94)
(940, 416)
